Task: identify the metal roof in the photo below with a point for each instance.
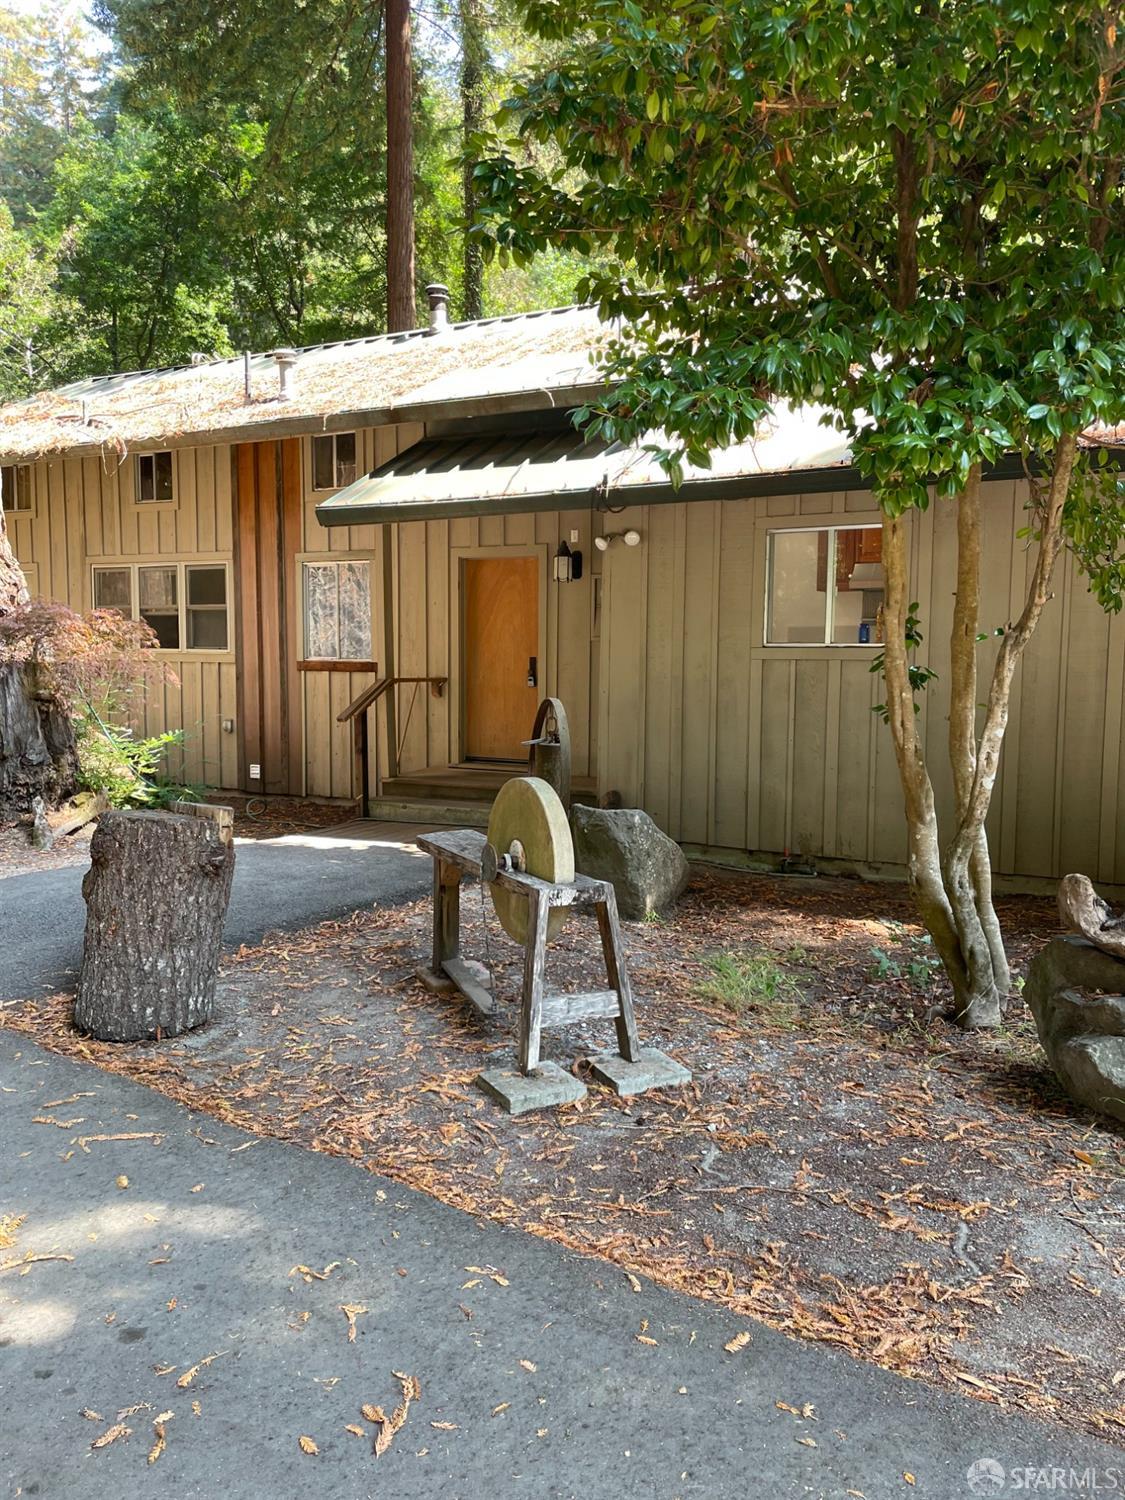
(530, 471)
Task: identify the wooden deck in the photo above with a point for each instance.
(469, 782)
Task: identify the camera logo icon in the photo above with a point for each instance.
(986, 1477)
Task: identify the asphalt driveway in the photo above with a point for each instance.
(542, 1374)
(279, 884)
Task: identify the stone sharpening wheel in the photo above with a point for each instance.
(528, 832)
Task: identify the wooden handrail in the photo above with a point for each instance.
(375, 691)
(356, 714)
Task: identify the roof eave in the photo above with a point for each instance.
(718, 487)
(545, 399)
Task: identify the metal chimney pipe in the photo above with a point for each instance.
(286, 361)
(438, 297)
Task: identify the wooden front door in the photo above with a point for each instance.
(500, 652)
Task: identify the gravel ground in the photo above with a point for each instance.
(845, 1167)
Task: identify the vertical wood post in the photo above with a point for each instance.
(628, 1042)
(362, 777)
(447, 913)
(534, 967)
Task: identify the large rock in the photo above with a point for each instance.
(623, 845)
(1083, 1035)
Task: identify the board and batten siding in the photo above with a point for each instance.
(425, 614)
(84, 514)
(732, 744)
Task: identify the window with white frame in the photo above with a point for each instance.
(15, 487)
(155, 480)
(333, 460)
(184, 604)
(824, 586)
(337, 610)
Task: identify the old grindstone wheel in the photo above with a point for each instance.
(527, 832)
(527, 862)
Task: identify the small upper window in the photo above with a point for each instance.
(825, 587)
(154, 478)
(333, 455)
(15, 487)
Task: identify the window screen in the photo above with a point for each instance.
(206, 608)
(158, 604)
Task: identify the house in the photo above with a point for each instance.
(366, 562)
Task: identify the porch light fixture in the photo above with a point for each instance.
(567, 565)
(630, 538)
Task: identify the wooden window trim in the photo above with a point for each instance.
(823, 532)
(147, 507)
(133, 565)
(28, 512)
(306, 560)
(333, 437)
(328, 664)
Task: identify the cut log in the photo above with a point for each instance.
(156, 894)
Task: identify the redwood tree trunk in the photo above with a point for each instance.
(37, 751)
(400, 168)
(13, 586)
(156, 894)
(473, 55)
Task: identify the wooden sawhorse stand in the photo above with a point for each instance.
(632, 1069)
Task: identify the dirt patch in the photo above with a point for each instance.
(845, 1166)
(18, 856)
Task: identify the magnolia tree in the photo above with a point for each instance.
(910, 214)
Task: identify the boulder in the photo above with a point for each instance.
(1083, 1035)
(623, 845)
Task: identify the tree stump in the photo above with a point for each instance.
(156, 894)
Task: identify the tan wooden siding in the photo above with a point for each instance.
(426, 562)
(733, 744)
(327, 744)
(84, 513)
(417, 627)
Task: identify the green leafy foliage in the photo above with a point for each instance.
(910, 217)
(920, 676)
(128, 770)
(211, 176)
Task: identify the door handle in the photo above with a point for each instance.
(532, 671)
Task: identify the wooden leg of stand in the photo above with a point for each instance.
(628, 1042)
(447, 913)
(534, 966)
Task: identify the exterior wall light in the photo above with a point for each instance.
(630, 538)
(567, 565)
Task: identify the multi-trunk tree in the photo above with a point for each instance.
(910, 214)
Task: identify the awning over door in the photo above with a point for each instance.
(559, 470)
(474, 476)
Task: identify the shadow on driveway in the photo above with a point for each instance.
(279, 884)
